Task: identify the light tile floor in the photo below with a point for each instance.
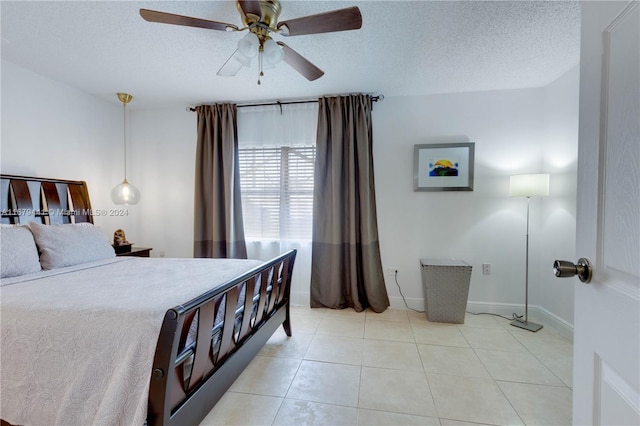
(396, 368)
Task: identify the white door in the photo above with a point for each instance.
(606, 386)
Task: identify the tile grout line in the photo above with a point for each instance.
(506, 397)
(415, 346)
(547, 367)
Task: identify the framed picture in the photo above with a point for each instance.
(443, 167)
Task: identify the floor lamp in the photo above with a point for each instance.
(534, 185)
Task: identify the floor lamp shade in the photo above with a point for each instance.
(533, 185)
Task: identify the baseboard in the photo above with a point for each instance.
(536, 313)
(549, 319)
(504, 309)
(412, 303)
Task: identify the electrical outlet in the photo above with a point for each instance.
(393, 270)
(161, 254)
(486, 269)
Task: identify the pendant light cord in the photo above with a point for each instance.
(124, 137)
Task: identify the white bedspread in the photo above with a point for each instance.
(78, 343)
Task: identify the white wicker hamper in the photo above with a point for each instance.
(446, 288)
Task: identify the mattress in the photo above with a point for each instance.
(78, 342)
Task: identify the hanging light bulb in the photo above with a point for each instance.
(125, 193)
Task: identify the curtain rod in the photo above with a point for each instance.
(375, 98)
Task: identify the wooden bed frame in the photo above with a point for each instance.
(233, 321)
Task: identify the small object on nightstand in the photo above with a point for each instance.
(137, 252)
(120, 243)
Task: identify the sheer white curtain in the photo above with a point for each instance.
(266, 134)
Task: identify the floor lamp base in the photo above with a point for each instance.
(527, 325)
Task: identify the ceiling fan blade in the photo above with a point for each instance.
(231, 66)
(250, 6)
(337, 20)
(188, 21)
(300, 64)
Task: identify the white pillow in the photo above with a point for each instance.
(70, 244)
(18, 251)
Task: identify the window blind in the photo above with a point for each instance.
(277, 192)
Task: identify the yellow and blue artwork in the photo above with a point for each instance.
(443, 167)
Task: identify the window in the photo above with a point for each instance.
(277, 192)
(276, 149)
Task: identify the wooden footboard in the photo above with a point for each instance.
(205, 344)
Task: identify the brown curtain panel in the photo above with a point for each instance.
(219, 228)
(346, 270)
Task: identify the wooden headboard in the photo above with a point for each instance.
(26, 199)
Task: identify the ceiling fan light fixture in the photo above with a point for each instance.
(260, 18)
(273, 53)
(248, 45)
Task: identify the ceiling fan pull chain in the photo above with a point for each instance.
(260, 74)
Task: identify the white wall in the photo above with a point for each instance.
(52, 130)
(558, 225)
(515, 131)
(482, 226)
(163, 153)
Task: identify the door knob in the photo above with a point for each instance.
(564, 269)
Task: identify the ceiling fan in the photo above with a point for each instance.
(260, 18)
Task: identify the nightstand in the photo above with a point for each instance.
(137, 251)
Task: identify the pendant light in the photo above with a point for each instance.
(125, 193)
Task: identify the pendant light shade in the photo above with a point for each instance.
(125, 193)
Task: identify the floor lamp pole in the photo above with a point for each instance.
(531, 326)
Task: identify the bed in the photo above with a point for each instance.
(121, 340)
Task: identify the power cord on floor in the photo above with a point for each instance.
(515, 317)
(395, 276)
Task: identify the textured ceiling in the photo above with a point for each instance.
(403, 48)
